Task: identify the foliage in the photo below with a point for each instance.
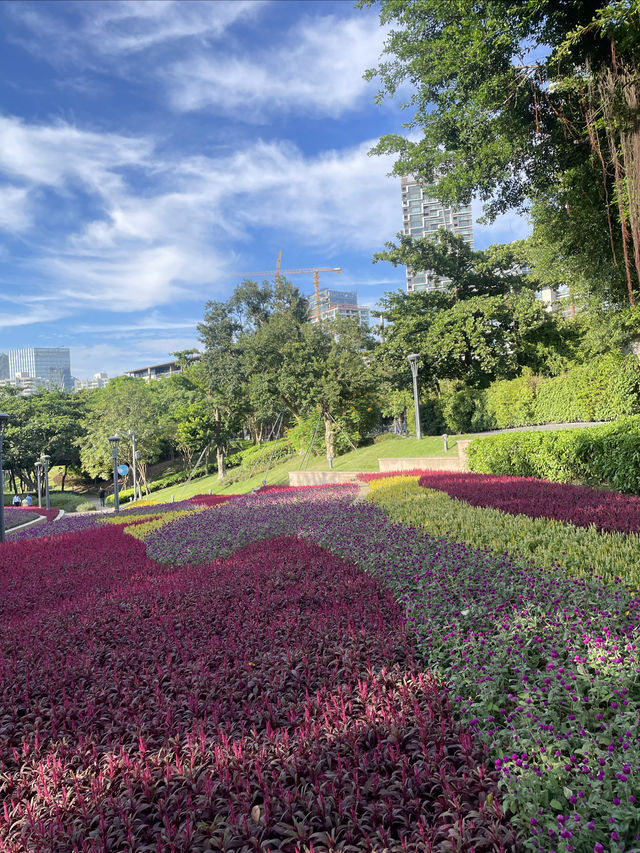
(603, 455)
(315, 673)
(497, 631)
(579, 505)
(125, 404)
(558, 546)
(517, 101)
(47, 422)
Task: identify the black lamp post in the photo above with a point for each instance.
(45, 461)
(413, 360)
(4, 418)
(113, 441)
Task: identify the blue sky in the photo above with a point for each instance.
(150, 150)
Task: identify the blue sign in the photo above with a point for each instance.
(123, 470)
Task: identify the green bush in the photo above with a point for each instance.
(511, 403)
(607, 455)
(466, 411)
(87, 506)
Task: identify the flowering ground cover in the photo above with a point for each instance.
(269, 701)
(555, 545)
(580, 505)
(72, 523)
(15, 516)
(544, 668)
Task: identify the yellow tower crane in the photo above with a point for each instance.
(316, 277)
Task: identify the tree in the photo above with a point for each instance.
(47, 422)
(494, 271)
(513, 96)
(124, 404)
(223, 374)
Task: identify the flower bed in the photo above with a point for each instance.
(580, 505)
(555, 545)
(14, 516)
(265, 702)
(544, 668)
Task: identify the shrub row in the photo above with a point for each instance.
(607, 455)
(602, 390)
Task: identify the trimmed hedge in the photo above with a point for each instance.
(602, 390)
(607, 455)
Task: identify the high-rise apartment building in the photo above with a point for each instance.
(423, 215)
(337, 303)
(50, 365)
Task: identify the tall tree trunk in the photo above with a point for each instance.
(222, 467)
(329, 435)
(64, 477)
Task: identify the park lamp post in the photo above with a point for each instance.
(413, 360)
(4, 418)
(113, 441)
(45, 459)
(134, 456)
(38, 467)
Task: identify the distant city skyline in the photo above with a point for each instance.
(150, 151)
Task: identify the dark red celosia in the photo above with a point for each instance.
(579, 505)
(269, 701)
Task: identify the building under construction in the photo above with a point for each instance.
(330, 304)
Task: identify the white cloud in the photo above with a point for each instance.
(504, 229)
(146, 230)
(317, 68)
(15, 214)
(127, 27)
(59, 155)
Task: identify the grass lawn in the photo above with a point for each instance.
(363, 459)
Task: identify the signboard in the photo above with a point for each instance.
(123, 470)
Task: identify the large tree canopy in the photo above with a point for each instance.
(512, 96)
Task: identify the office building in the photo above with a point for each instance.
(4, 365)
(337, 303)
(49, 366)
(422, 216)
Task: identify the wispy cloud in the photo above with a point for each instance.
(138, 230)
(118, 28)
(15, 214)
(317, 69)
(504, 229)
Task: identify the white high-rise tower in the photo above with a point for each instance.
(422, 215)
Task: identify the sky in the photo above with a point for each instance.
(151, 150)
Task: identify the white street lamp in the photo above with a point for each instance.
(413, 360)
(113, 441)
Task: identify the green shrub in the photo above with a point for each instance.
(511, 403)
(607, 455)
(87, 506)
(602, 390)
(466, 411)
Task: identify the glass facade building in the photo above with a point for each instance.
(50, 365)
(422, 216)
